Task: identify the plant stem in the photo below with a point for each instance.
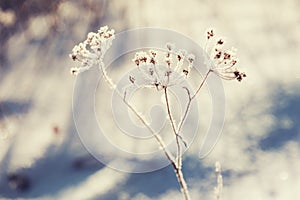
(190, 100)
(177, 166)
(182, 183)
(173, 128)
(135, 112)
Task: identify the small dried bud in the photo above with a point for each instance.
(168, 55)
(168, 73)
(152, 60)
(227, 56)
(191, 58)
(131, 79)
(210, 33)
(186, 72)
(144, 59)
(140, 58)
(73, 57)
(239, 75)
(233, 62)
(74, 71)
(218, 55)
(220, 42)
(179, 57)
(181, 54)
(153, 53)
(170, 46)
(168, 61)
(151, 71)
(137, 62)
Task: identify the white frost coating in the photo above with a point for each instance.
(92, 50)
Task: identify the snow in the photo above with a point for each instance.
(42, 156)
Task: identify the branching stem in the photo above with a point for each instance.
(177, 166)
(190, 98)
(176, 163)
(135, 112)
(173, 127)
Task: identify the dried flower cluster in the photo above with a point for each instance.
(221, 61)
(92, 50)
(162, 74)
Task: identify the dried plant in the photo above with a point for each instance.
(161, 75)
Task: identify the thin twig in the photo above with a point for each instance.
(177, 167)
(183, 185)
(173, 127)
(202, 83)
(156, 136)
(190, 100)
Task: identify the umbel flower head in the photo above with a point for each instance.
(221, 61)
(157, 74)
(92, 50)
(162, 73)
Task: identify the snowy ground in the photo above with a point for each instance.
(41, 155)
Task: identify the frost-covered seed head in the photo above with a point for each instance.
(92, 50)
(160, 74)
(221, 61)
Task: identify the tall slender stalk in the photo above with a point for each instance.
(177, 167)
(190, 100)
(178, 157)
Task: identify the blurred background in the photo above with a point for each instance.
(41, 156)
